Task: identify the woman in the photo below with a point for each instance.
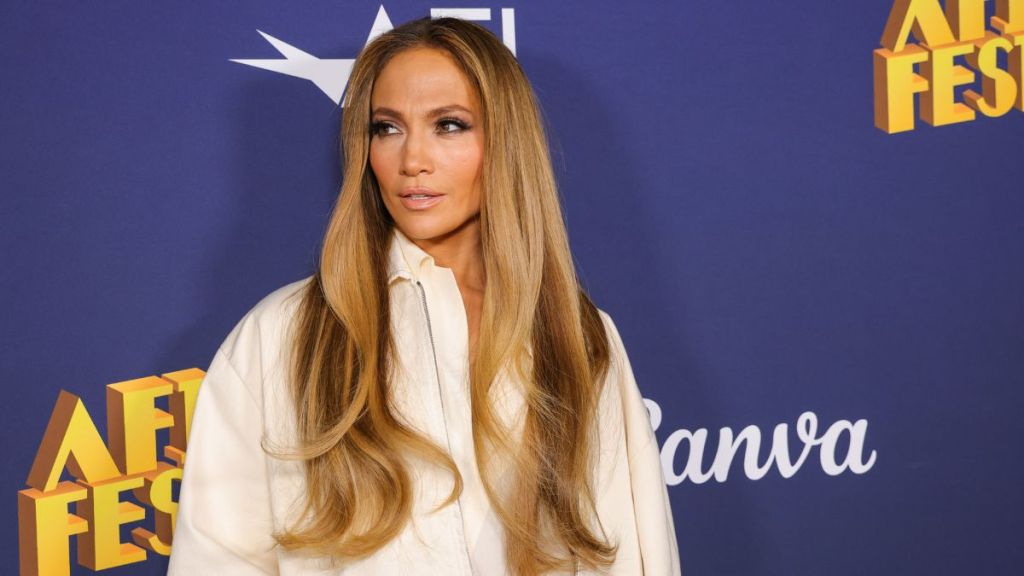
(441, 397)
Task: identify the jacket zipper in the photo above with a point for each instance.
(444, 416)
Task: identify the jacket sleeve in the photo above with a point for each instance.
(224, 522)
(655, 528)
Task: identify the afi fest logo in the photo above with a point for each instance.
(929, 68)
(331, 75)
(104, 474)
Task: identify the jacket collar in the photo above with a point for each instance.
(406, 259)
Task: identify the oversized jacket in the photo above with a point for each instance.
(234, 495)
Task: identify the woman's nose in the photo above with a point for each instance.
(416, 156)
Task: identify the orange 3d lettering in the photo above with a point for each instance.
(953, 71)
(105, 474)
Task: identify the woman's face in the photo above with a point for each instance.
(427, 145)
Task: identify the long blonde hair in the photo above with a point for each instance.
(536, 319)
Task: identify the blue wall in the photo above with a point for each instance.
(764, 250)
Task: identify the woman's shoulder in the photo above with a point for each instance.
(615, 346)
(606, 318)
(255, 344)
(281, 303)
(620, 382)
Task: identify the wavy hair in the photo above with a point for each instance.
(536, 319)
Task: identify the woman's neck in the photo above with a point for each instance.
(460, 251)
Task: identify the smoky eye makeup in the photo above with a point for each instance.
(446, 125)
(460, 125)
(380, 127)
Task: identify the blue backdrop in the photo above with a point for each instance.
(764, 250)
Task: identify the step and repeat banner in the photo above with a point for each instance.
(806, 218)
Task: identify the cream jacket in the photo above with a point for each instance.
(234, 495)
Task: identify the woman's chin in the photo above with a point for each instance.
(430, 230)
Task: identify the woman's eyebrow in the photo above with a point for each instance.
(441, 111)
(444, 110)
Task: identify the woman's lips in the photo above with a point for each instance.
(415, 200)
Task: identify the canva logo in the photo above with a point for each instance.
(930, 69)
(330, 75)
(696, 468)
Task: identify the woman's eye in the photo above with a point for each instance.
(451, 125)
(381, 128)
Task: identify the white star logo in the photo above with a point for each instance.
(329, 74)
